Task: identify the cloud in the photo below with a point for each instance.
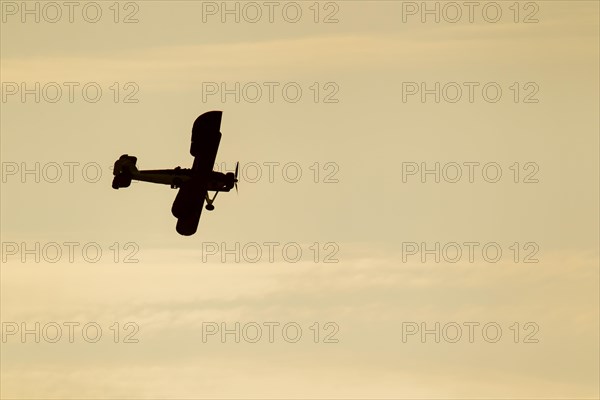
(368, 297)
(180, 66)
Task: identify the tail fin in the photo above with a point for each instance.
(125, 165)
(123, 171)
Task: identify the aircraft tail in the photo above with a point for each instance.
(125, 164)
(123, 171)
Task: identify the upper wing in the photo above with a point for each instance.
(206, 137)
(188, 204)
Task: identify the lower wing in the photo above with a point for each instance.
(187, 208)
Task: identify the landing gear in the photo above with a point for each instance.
(209, 201)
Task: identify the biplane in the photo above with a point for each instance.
(193, 183)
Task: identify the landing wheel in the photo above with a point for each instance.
(209, 201)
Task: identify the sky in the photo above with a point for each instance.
(417, 214)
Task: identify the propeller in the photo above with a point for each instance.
(235, 180)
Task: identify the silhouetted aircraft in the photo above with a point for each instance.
(193, 183)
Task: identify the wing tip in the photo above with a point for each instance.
(210, 121)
